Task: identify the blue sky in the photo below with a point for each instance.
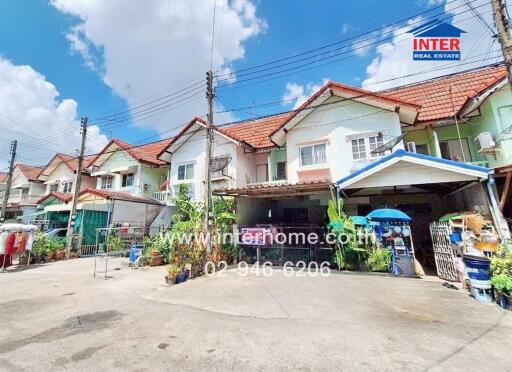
(112, 67)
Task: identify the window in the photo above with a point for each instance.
(127, 180)
(281, 170)
(67, 186)
(422, 149)
(451, 150)
(312, 155)
(358, 149)
(106, 182)
(185, 172)
(262, 173)
(362, 148)
(54, 187)
(375, 142)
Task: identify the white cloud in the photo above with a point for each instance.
(150, 47)
(296, 94)
(30, 111)
(394, 58)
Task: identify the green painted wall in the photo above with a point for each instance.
(495, 117)
(275, 157)
(423, 137)
(154, 177)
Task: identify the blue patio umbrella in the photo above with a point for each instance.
(359, 220)
(388, 215)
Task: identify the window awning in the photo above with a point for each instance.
(31, 215)
(404, 168)
(277, 189)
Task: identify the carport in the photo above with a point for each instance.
(286, 209)
(424, 187)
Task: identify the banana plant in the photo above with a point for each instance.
(343, 228)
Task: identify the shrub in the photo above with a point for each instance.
(115, 243)
(379, 259)
(501, 266)
(502, 283)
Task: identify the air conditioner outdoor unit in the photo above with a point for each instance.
(484, 142)
(411, 146)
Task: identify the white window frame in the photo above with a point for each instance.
(103, 184)
(54, 187)
(367, 145)
(67, 186)
(313, 155)
(123, 175)
(185, 179)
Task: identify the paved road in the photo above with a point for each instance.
(57, 317)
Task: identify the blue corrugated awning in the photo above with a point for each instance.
(470, 170)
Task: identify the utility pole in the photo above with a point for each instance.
(14, 145)
(503, 27)
(208, 161)
(78, 181)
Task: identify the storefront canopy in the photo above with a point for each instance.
(404, 168)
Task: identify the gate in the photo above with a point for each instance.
(443, 252)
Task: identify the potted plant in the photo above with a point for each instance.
(50, 252)
(502, 285)
(23, 260)
(501, 274)
(172, 271)
(39, 248)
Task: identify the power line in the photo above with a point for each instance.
(480, 18)
(186, 89)
(356, 39)
(350, 52)
(373, 83)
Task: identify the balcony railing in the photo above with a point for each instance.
(23, 199)
(164, 197)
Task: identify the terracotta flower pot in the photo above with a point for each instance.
(59, 255)
(50, 255)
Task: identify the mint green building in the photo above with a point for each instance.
(465, 117)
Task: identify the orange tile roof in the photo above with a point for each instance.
(147, 153)
(29, 171)
(434, 95)
(255, 133)
(63, 197)
(118, 195)
(3, 177)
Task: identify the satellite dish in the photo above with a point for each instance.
(219, 163)
(388, 145)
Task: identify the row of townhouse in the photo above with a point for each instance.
(283, 169)
(429, 148)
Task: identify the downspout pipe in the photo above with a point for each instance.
(501, 224)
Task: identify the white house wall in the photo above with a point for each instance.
(62, 174)
(406, 173)
(135, 213)
(120, 159)
(334, 123)
(18, 179)
(193, 151)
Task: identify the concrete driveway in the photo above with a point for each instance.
(57, 317)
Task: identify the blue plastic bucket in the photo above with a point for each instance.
(481, 290)
(477, 267)
(455, 237)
